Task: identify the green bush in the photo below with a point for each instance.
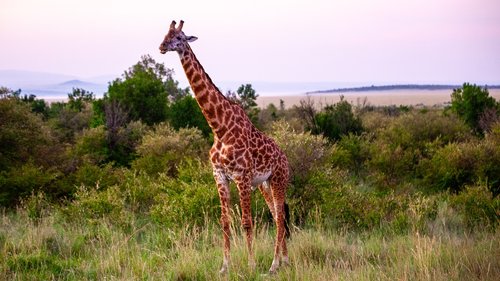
(337, 120)
(398, 148)
(91, 146)
(91, 205)
(23, 135)
(351, 152)
(307, 155)
(163, 148)
(191, 198)
(37, 205)
(142, 91)
(470, 102)
(477, 207)
(185, 113)
(459, 164)
(345, 207)
(21, 182)
(416, 128)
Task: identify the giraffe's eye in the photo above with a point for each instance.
(179, 38)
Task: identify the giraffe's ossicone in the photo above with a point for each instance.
(240, 153)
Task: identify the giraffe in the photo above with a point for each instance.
(240, 153)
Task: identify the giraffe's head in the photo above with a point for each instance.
(175, 40)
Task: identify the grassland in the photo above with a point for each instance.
(54, 247)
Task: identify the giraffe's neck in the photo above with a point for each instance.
(214, 106)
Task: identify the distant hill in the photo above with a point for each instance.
(395, 87)
(16, 79)
(51, 85)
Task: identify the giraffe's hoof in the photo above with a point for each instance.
(273, 269)
(252, 265)
(223, 270)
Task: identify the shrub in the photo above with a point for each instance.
(89, 174)
(416, 128)
(91, 146)
(191, 198)
(92, 204)
(123, 142)
(163, 148)
(337, 120)
(308, 157)
(399, 147)
(351, 152)
(478, 207)
(23, 135)
(37, 205)
(142, 91)
(470, 102)
(22, 182)
(305, 152)
(459, 164)
(345, 207)
(185, 113)
(68, 123)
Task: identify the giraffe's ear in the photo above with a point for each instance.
(191, 38)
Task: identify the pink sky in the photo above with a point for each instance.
(384, 41)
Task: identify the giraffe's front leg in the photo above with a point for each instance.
(244, 188)
(223, 189)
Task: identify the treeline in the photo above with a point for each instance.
(141, 150)
(396, 87)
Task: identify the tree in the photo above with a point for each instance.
(245, 96)
(144, 90)
(471, 102)
(307, 112)
(23, 135)
(337, 120)
(78, 98)
(185, 113)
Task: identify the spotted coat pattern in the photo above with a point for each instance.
(240, 153)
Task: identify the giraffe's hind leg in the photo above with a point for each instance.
(268, 197)
(278, 189)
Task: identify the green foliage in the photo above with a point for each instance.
(91, 204)
(23, 181)
(337, 120)
(93, 175)
(185, 113)
(162, 149)
(247, 96)
(478, 207)
(23, 135)
(37, 205)
(399, 146)
(78, 99)
(142, 91)
(123, 142)
(351, 152)
(67, 122)
(191, 198)
(91, 146)
(470, 102)
(307, 154)
(459, 164)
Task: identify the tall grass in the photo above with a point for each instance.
(54, 247)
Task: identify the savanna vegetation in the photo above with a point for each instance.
(121, 188)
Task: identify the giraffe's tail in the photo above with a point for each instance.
(287, 221)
